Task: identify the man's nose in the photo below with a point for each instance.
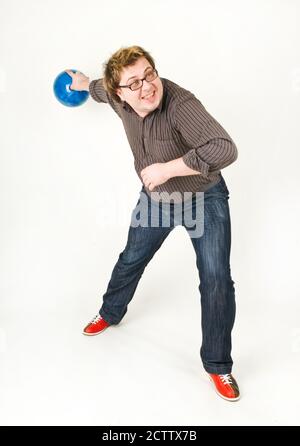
(146, 86)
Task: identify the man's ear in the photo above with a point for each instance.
(119, 92)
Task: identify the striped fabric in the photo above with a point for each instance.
(179, 127)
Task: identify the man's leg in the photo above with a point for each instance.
(142, 243)
(216, 285)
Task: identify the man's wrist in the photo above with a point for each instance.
(173, 167)
(169, 170)
(87, 85)
(178, 168)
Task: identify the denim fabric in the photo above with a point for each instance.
(216, 287)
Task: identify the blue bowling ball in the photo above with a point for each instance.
(64, 94)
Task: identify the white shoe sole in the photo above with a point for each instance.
(222, 396)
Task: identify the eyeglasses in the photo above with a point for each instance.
(150, 76)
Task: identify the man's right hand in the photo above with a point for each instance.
(80, 82)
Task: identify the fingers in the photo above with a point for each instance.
(70, 73)
(146, 180)
(148, 184)
(145, 177)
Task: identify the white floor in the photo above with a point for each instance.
(146, 371)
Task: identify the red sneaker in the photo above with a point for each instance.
(96, 326)
(225, 386)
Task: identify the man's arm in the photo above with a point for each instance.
(80, 82)
(178, 168)
(97, 91)
(212, 148)
(159, 173)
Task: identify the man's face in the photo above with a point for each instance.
(147, 98)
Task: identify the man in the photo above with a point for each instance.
(178, 148)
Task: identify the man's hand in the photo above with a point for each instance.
(80, 82)
(155, 174)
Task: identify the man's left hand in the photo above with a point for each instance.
(154, 175)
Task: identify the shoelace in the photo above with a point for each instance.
(226, 379)
(96, 319)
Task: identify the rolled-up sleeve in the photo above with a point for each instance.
(99, 94)
(211, 147)
(97, 91)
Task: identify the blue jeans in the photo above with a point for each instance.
(216, 287)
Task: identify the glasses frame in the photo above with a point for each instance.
(144, 79)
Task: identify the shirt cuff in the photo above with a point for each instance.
(192, 160)
(97, 91)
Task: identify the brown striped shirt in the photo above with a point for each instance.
(179, 127)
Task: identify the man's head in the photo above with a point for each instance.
(123, 69)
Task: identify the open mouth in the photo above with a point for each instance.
(149, 96)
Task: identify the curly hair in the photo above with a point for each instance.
(113, 67)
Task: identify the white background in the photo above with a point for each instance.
(68, 187)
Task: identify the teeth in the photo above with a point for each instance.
(148, 96)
